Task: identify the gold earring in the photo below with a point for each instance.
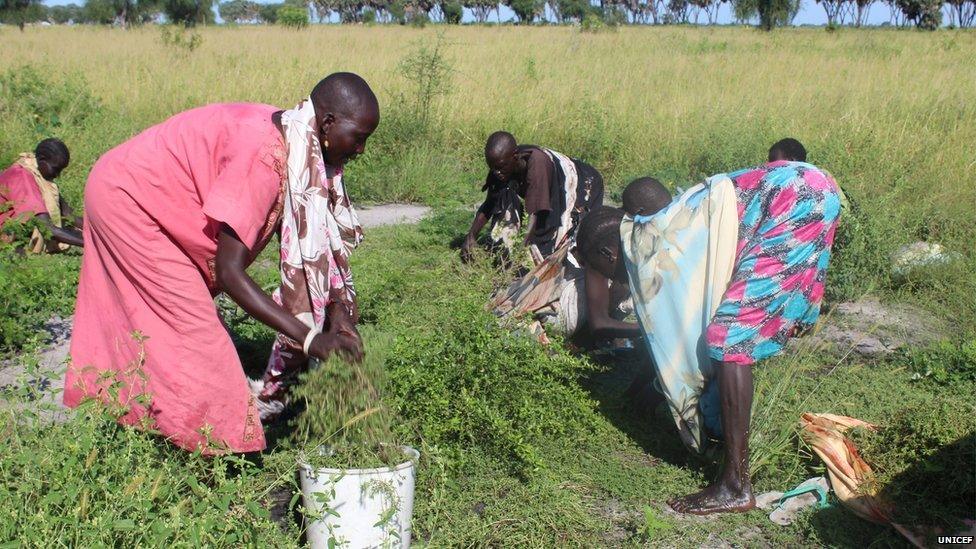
(326, 144)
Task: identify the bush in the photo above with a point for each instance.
(36, 288)
(458, 380)
(181, 40)
(294, 17)
(50, 104)
(593, 23)
(452, 12)
(428, 72)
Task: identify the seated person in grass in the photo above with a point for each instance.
(559, 294)
(553, 189)
(28, 192)
(737, 262)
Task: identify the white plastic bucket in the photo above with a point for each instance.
(360, 508)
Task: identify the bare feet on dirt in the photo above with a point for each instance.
(721, 497)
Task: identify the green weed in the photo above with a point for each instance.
(345, 410)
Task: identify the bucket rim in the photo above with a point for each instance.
(412, 454)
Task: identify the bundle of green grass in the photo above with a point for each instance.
(345, 422)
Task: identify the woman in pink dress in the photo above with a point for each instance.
(173, 217)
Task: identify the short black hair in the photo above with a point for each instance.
(788, 149)
(344, 93)
(645, 196)
(599, 228)
(500, 144)
(53, 151)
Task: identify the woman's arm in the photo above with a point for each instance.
(232, 278)
(67, 212)
(530, 230)
(471, 240)
(64, 236)
(598, 308)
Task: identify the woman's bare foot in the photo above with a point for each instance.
(721, 497)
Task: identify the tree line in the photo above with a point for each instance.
(927, 14)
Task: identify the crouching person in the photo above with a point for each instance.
(28, 193)
(560, 295)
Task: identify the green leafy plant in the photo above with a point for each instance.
(180, 39)
(593, 23)
(49, 104)
(946, 363)
(428, 71)
(89, 481)
(654, 526)
(294, 17)
(345, 422)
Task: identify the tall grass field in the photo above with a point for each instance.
(523, 446)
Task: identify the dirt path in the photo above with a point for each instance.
(42, 371)
(391, 214)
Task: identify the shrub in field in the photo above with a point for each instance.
(458, 380)
(472, 386)
(294, 17)
(180, 39)
(50, 104)
(428, 71)
(35, 289)
(593, 23)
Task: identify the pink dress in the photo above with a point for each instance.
(146, 326)
(19, 195)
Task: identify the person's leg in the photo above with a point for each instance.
(732, 492)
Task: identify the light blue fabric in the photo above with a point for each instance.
(679, 262)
